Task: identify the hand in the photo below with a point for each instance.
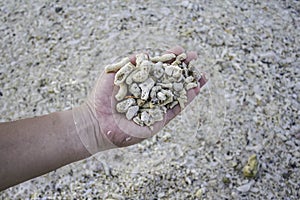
(113, 127)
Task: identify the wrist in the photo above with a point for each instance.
(88, 129)
(66, 126)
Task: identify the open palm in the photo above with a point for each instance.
(114, 125)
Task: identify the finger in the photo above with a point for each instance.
(192, 55)
(102, 94)
(203, 80)
(104, 84)
(176, 50)
(132, 59)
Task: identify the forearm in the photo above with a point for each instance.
(35, 146)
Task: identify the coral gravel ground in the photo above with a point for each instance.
(52, 52)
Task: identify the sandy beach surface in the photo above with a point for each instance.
(51, 52)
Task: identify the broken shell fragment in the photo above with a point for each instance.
(165, 85)
(179, 59)
(173, 70)
(140, 76)
(190, 85)
(146, 65)
(182, 102)
(154, 90)
(182, 93)
(116, 66)
(143, 73)
(145, 117)
(135, 90)
(169, 96)
(161, 96)
(138, 121)
(173, 104)
(177, 72)
(156, 114)
(122, 92)
(157, 70)
(197, 75)
(189, 79)
(140, 102)
(153, 85)
(140, 57)
(129, 80)
(123, 106)
(122, 74)
(146, 87)
(177, 86)
(131, 112)
(251, 168)
(163, 58)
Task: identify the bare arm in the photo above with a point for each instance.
(32, 147)
(35, 146)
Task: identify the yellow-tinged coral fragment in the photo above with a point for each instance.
(251, 168)
(163, 58)
(116, 66)
(151, 86)
(122, 74)
(122, 92)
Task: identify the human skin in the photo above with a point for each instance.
(116, 123)
(35, 146)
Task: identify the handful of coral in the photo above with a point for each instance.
(152, 85)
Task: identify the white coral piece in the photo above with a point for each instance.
(153, 85)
